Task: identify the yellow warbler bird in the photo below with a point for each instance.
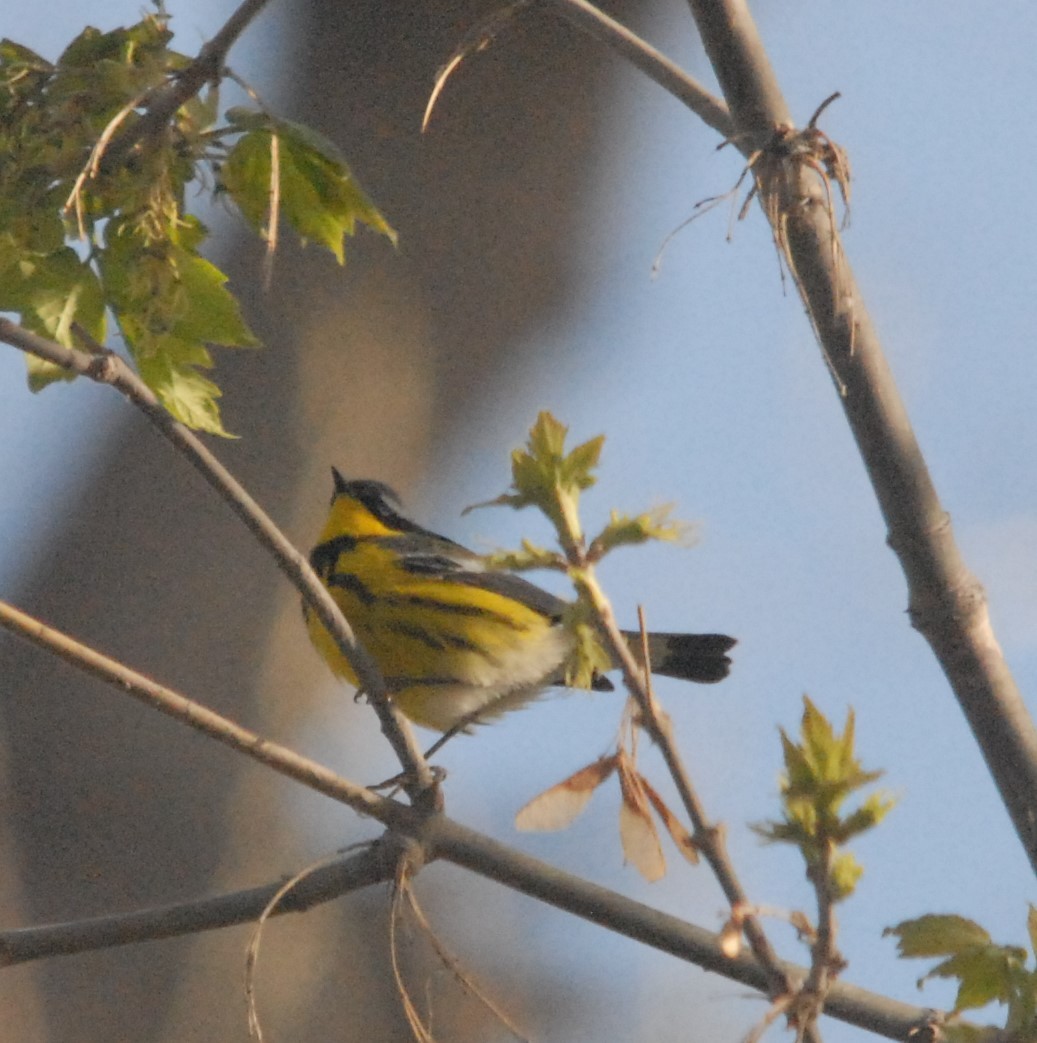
(456, 641)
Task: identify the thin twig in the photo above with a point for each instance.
(477, 39)
(708, 837)
(401, 883)
(825, 960)
(276, 904)
(108, 368)
(457, 969)
(197, 716)
(75, 197)
(670, 76)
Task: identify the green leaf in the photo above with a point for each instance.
(88, 48)
(54, 293)
(319, 197)
(867, 816)
(624, 530)
(123, 46)
(61, 291)
(170, 304)
(823, 766)
(936, 935)
(984, 974)
(579, 465)
(1022, 1007)
(23, 74)
(821, 771)
(530, 557)
(544, 476)
(32, 228)
(246, 176)
(824, 752)
(185, 393)
(16, 58)
(799, 772)
(547, 438)
(788, 832)
(306, 137)
(208, 311)
(41, 373)
(200, 113)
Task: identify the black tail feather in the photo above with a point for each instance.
(690, 657)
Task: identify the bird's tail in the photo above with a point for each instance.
(690, 657)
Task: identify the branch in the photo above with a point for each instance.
(946, 602)
(108, 368)
(491, 859)
(199, 717)
(826, 963)
(743, 71)
(481, 855)
(708, 837)
(325, 884)
(438, 836)
(670, 76)
(162, 103)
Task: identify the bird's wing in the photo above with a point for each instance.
(444, 558)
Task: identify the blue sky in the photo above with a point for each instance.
(714, 396)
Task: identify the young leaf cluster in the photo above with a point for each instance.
(624, 530)
(544, 475)
(87, 231)
(985, 972)
(821, 772)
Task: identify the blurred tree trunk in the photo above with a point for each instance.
(111, 807)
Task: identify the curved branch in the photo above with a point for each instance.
(946, 602)
(108, 368)
(670, 76)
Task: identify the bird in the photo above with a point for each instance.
(456, 641)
